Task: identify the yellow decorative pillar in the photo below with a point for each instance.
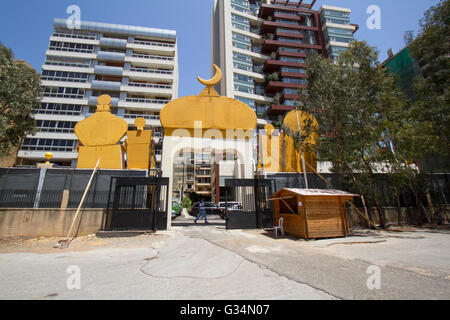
(297, 121)
(100, 136)
(138, 146)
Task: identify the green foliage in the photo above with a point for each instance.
(177, 207)
(195, 197)
(187, 203)
(431, 49)
(359, 109)
(20, 92)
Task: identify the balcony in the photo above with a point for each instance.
(276, 110)
(145, 116)
(148, 74)
(148, 70)
(273, 45)
(277, 86)
(268, 10)
(152, 57)
(148, 88)
(105, 85)
(154, 43)
(151, 120)
(148, 101)
(275, 65)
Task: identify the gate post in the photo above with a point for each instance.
(255, 193)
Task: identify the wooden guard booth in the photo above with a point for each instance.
(312, 213)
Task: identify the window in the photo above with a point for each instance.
(244, 89)
(56, 126)
(293, 80)
(292, 59)
(286, 39)
(56, 145)
(62, 92)
(64, 76)
(72, 47)
(294, 31)
(243, 79)
(286, 21)
(241, 57)
(290, 91)
(247, 101)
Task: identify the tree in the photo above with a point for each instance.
(20, 93)
(357, 105)
(431, 49)
(187, 203)
(195, 197)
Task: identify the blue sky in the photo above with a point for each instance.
(26, 25)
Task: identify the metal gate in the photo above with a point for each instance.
(138, 203)
(247, 203)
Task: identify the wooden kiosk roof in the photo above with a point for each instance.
(316, 192)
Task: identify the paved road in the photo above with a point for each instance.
(209, 262)
(413, 265)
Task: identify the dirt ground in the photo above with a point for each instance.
(49, 245)
(87, 243)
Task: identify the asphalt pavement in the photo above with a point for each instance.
(208, 262)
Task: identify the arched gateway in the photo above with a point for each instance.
(208, 121)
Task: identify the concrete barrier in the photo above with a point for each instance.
(49, 222)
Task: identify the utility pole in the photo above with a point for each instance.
(305, 175)
(182, 184)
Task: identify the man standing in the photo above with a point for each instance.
(201, 212)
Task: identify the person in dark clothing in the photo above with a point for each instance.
(201, 212)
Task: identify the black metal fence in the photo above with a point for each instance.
(254, 210)
(44, 188)
(138, 203)
(436, 185)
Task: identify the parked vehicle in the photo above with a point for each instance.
(230, 206)
(176, 209)
(210, 207)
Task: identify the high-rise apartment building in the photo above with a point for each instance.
(337, 29)
(262, 46)
(136, 66)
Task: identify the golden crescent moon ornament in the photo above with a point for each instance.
(214, 80)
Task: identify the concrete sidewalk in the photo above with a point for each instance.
(177, 268)
(413, 265)
(207, 262)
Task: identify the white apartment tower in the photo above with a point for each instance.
(262, 47)
(136, 66)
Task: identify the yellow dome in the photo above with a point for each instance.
(292, 121)
(209, 108)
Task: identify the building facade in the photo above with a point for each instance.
(136, 66)
(262, 47)
(337, 29)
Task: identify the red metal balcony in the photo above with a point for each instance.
(274, 65)
(268, 10)
(272, 45)
(292, 54)
(271, 27)
(277, 86)
(289, 35)
(290, 97)
(278, 109)
(293, 75)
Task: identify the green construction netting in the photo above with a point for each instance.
(405, 66)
